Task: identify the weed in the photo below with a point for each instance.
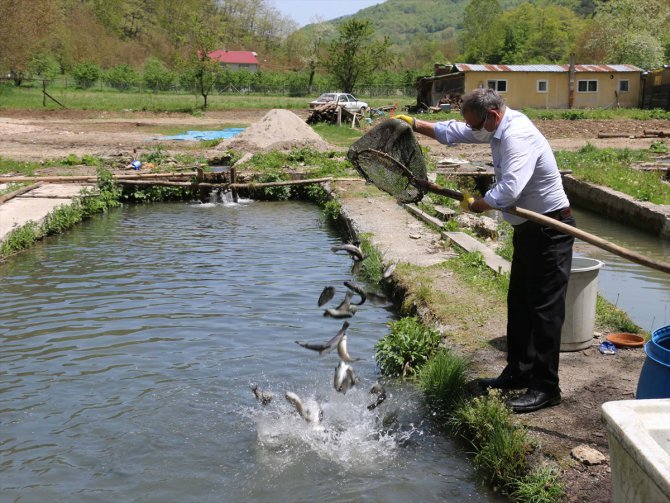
(157, 156)
(19, 239)
(658, 147)
(539, 486)
(373, 264)
(443, 379)
(331, 210)
(406, 347)
(610, 317)
(278, 193)
(472, 268)
(612, 168)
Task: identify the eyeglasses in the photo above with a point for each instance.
(481, 124)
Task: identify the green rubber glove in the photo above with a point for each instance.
(409, 120)
(467, 201)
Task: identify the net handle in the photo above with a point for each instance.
(419, 183)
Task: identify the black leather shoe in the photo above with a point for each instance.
(533, 400)
(503, 382)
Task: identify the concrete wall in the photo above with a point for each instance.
(615, 205)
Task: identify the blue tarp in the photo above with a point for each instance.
(205, 135)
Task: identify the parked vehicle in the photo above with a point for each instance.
(346, 100)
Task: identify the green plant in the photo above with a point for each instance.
(505, 243)
(472, 268)
(331, 210)
(612, 318)
(157, 156)
(406, 347)
(19, 239)
(373, 264)
(542, 485)
(443, 379)
(122, 77)
(658, 147)
(85, 74)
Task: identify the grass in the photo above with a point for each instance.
(407, 346)
(539, 486)
(612, 168)
(471, 268)
(372, 268)
(341, 136)
(596, 114)
(612, 319)
(443, 378)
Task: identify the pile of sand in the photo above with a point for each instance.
(277, 130)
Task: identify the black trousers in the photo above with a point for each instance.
(536, 302)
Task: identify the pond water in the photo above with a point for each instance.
(129, 344)
(642, 292)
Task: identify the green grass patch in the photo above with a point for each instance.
(407, 346)
(596, 114)
(443, 379)
(612, 168)
(471, 268)
(342, 136)
(612, 319)
(372, 268)
(539, 486)
(317, 164)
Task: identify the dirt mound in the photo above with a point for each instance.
(277, 130)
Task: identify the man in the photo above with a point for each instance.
(527, 176)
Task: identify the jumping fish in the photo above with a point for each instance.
(263, 397)
(388, 272)
(377, 299)
(344, 378)
(311, 413)
(344, 310)
(342, 350)
(327, 294)
(358, 290)
(327, 346)
(354, 251)
(377, 389)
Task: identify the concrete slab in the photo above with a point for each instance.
(35, 205)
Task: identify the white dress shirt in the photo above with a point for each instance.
(524, 165)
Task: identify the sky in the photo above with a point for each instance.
(305, 11)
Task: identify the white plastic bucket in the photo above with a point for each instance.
(580, 304)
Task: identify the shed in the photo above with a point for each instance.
(537, 86)
(236, 60)
(656, 88)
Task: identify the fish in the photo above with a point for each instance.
(326, 347)
(344, 310)
(377, 389)
(388, 272)
(312, 412)
(342, 350)
(263, 397)
(344, 378)
(356, 267)
(327, 294)
(358, 290)
(377, 299)
(354, 251)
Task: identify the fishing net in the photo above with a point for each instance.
(390, 157)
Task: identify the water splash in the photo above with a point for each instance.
(350, 436)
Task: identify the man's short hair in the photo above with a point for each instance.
(481, 101)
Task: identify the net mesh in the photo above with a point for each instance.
(394, 138)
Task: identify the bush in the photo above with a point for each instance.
(443, 379)
(121, 77)
(156, 77)
(406, 348)
(85, 74)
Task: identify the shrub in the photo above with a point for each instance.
(156, 77)
(85, 74)
(406, 348)
(443, 379)
(121, 77)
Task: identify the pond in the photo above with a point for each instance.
(130, 343)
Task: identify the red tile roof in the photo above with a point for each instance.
(234, 57)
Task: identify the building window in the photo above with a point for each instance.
(587, 86)
(542, 86)
(498, 85)
(623, 86)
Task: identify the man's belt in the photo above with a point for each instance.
(561, 214)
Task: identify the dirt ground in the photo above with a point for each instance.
(588, 378)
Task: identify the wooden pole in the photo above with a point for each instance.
(145, 176)
(10, 195)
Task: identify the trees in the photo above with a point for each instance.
(354, 54)
(482, 36)
(629, 31)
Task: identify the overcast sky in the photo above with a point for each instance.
(305, 11)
